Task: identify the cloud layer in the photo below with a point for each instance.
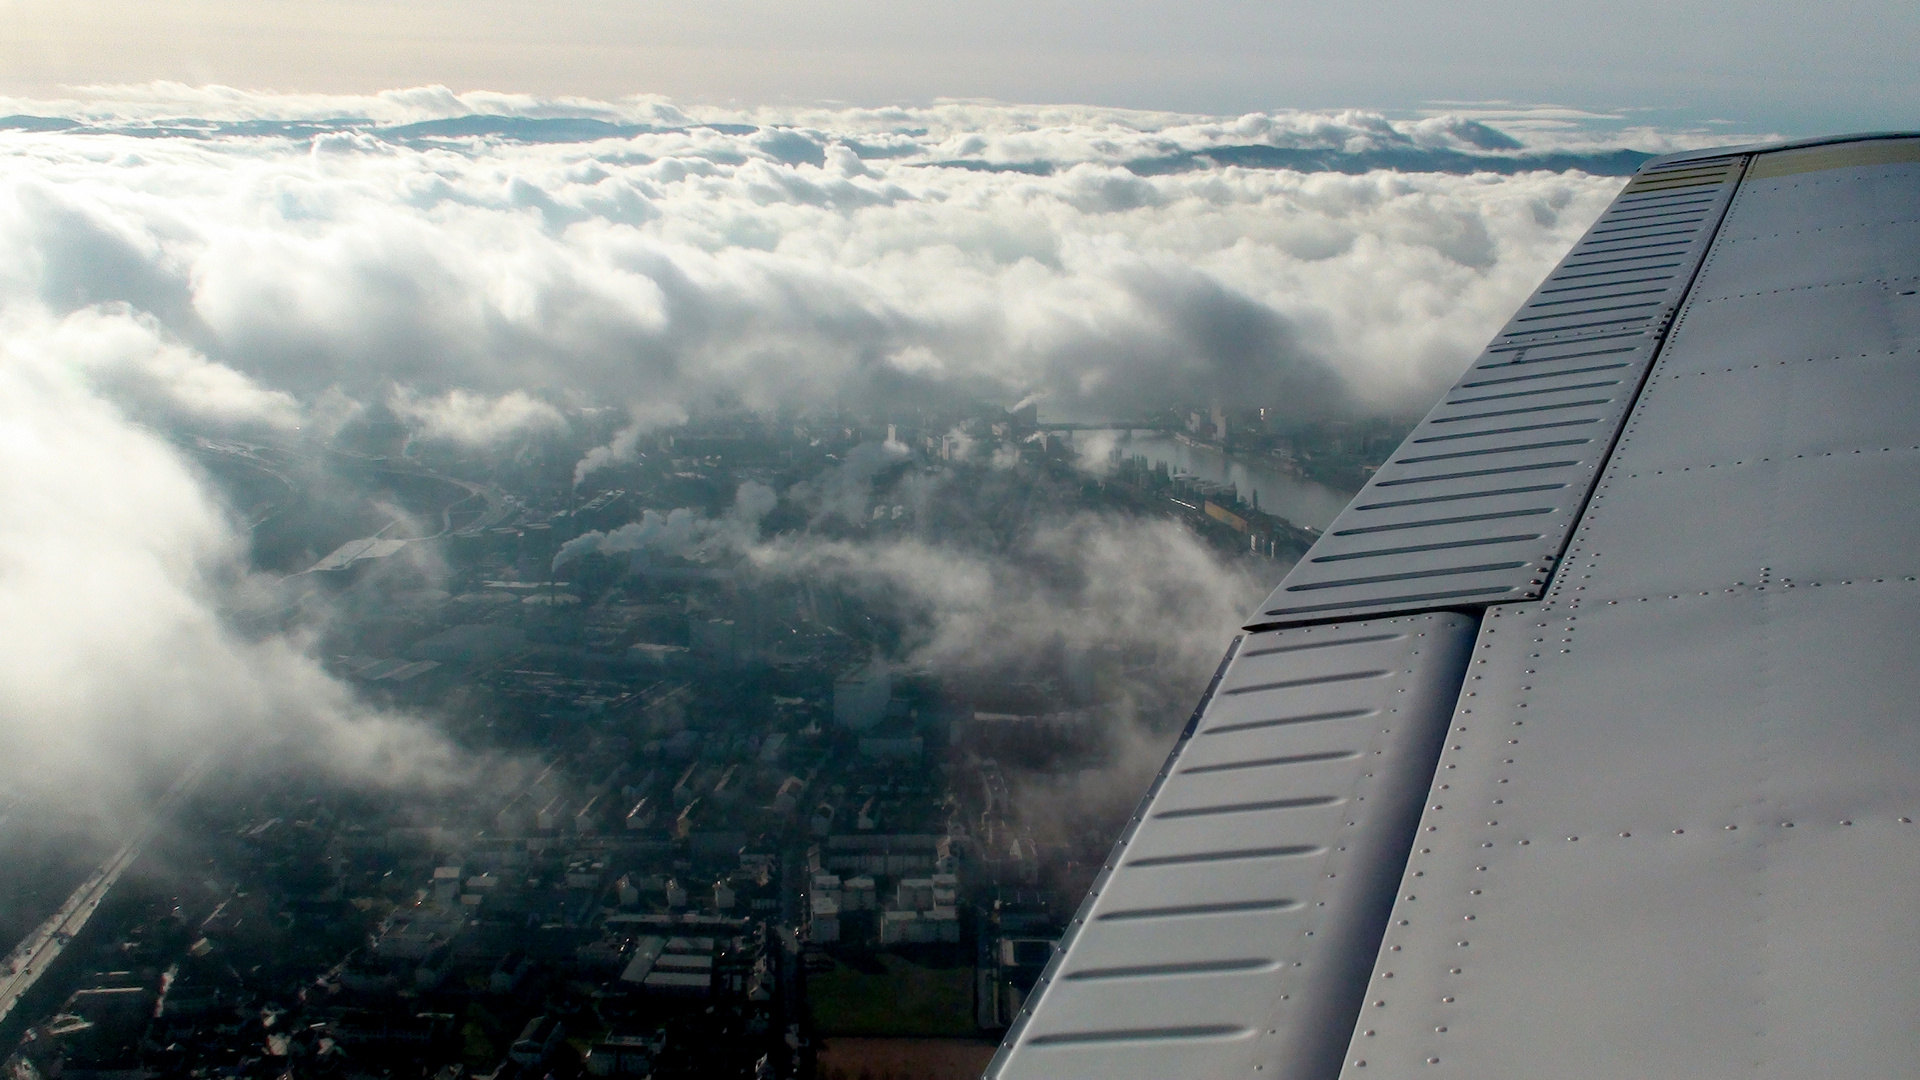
(676, 262)
(482, 267)
(117, 566)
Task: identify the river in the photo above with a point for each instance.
(1300, 501)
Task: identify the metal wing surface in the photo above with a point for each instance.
(1585, 742)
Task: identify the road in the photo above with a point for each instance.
(500, 506)
(37, 952)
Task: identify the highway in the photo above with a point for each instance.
(37, 952)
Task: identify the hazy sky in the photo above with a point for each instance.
(1793, 67)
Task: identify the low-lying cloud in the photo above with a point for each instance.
(679, 532)
(483, 268)
(1059, 580)
(117, 568)
(668, 262)
(1083, 580)
(473, 420)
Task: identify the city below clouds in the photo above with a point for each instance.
(485, 269)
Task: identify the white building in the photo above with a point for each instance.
(788, 797)
(914, 894)
(587, 821)
(825, 884)
(446, 884)
(897, 927)
(858, 894)
(946, 890)
(774, 748)
(552, 814)
(824, 921)
(943, 922)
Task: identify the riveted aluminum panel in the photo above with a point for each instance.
(1672, 832)
(1884, 149)
(1236, 919)
(1475, 507)
(1862, 143)
(1631, 269)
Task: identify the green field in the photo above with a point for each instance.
(895, 997)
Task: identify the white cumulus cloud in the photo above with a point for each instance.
(116, 567)
(473, 420)
(483, 265)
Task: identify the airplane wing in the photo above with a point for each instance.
(1586, 741)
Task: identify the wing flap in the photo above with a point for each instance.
(1476, 505)
(1650, 808)
(1233, 921)
(1676, 818)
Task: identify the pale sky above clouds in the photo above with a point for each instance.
(1796, 68)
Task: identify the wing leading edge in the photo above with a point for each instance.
(1606, 674)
